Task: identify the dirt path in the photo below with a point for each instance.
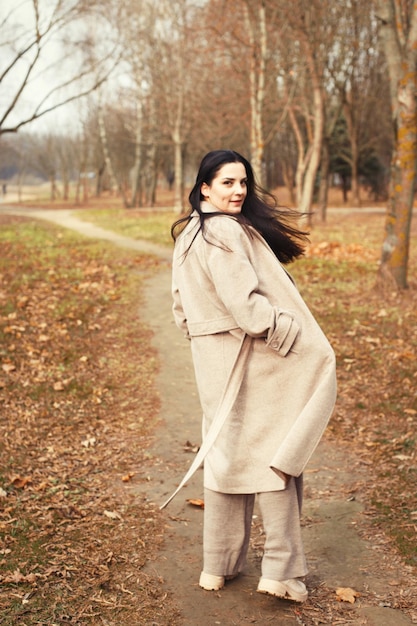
(338, 555)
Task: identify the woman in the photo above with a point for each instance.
(252, 339)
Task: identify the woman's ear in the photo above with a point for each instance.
(205, 189)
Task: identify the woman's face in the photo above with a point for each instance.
(228, 189)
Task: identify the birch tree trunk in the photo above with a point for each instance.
(150, 165)
(302, 155)
(137, 166)
(306, 200)
(105, 148)
(258, 54)
(178, 165)
(398, 29)
(306, 68)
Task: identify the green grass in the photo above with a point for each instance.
(151, 226)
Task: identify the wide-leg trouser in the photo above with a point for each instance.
(227, 526)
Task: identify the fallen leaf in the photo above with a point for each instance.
(22, 302)
(89, 442)
(21, 482)
(196, 502)
(191, 447)
(112, 515)
(346, 594)
(17, 577)
(8, 367)
(127, 477)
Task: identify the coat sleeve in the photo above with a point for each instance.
(238, 287)
(178, 311)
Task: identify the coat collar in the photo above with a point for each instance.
(206, 207)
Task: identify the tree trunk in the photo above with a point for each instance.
(105, 147)
(289, 180)
(151, 170)
(150, 176)
(137, 167)
(318, 120)
(348, 109)
(257, 88)
(354, 183)
(324, 180)
(99, 179)
(301, 157)
(399, 35)
(178, 145)
(178, 175)
(52, 180)
(395, 248)
(65, 184)
(308, 160)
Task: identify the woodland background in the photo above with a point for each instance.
(169, 80)
(315, 93)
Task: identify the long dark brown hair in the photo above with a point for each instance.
(260, 209)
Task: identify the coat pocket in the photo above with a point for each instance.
(283, 334)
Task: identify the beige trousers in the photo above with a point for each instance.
(227, 527)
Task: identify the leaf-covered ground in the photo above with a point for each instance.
(374, 334)
(77, 403)
(78, 409)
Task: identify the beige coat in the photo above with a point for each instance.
(289, 387)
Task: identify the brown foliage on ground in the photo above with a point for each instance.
(374, 335)
(75, 422)
(75, 425)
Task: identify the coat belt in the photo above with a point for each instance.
(227, 400)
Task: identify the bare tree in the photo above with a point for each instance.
(105, 146)
(137, 24)
(178, 81)
(356, 73)
(255, 23)
(39, 75)
(398, 30)
(44, 159)
(304, 47)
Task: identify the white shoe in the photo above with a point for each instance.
(289, 589)
(211, 582)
